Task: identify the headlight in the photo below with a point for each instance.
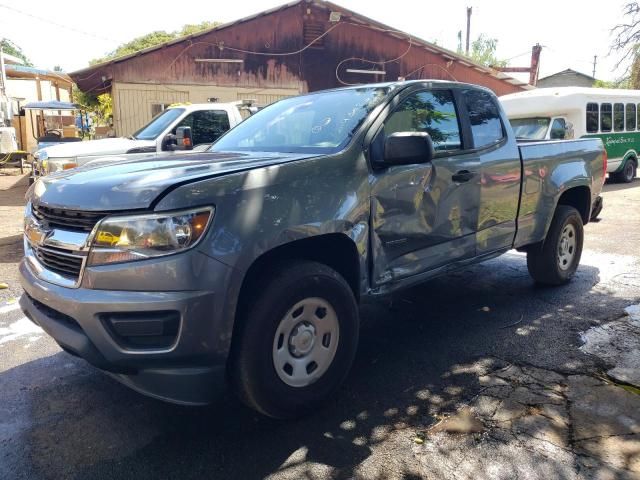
(57, 164)
(138, 237)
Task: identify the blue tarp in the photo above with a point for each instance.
(51, 105)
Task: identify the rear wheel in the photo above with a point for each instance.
(628, 173)
(556, 260)
(296, 342)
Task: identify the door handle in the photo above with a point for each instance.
(462, 176)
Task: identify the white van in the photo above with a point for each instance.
(576, 112)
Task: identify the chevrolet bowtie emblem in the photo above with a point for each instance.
(35, 232)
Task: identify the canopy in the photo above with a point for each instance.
(51, 105)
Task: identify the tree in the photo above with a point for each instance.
(100, 106)
(483, 51)
(58, 68)
(11, 48)
(152, 39)
(626, 43)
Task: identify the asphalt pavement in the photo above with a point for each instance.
(430, 354)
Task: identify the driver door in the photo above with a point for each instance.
(424, 215)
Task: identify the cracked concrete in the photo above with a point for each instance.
(556, 425)
(618, 344)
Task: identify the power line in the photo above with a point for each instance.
(60, 25)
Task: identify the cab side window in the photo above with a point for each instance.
(558, 129)
(484, 116)
(206, 125)
(432, 112)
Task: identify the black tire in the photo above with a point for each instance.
(252, 371)
(628, 173)
(544, 261)
(597, 209)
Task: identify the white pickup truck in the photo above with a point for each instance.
(207, 121)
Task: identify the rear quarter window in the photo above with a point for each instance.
(484, 117)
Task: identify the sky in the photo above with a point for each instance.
(570, 31)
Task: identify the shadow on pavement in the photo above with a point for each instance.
(420, 357)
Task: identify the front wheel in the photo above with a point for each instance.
(296, 340)
(556, 260)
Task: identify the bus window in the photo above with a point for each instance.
(592, 117)
(605, 117)
(618, 117)
(631, 117)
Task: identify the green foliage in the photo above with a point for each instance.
(99, 106)
(11, 48)
(620, 83)
(57, 68)
(152, 39)
(483, 51)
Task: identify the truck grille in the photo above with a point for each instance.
(62, 262)
(73, 220)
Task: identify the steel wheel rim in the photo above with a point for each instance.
(567, 247)
(629, 170)
(305, 342)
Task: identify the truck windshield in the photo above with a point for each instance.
(316, 123)
(159, 124)
(534, 128)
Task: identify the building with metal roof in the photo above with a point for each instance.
(302, 46)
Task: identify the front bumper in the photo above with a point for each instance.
(189, 371)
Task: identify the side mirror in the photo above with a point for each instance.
(405, 148)
(184, 138)
(169, 143)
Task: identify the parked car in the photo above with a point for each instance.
(249, 260)
(208, 121)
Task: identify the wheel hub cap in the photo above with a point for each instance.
(567, 247)
(305, 342)
(302, 339)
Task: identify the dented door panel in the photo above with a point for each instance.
(421, 218)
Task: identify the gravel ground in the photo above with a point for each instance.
(478, 374)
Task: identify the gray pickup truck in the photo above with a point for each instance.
(249, 261)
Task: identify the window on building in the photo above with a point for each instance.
(605, 117)
(618, 117)
(484, 116)
(206, 125)
(631, 117)
(592, 117)
(433, 112)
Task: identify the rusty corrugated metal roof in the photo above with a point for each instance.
(353, 16)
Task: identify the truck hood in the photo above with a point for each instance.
(106, 146)
(134, 185)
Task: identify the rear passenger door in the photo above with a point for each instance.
(500, 172)
(424, 215)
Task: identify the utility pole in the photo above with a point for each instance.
(468, 30)
(595, 61)
(532, 69)
(535, 64)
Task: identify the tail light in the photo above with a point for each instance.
(605, 159)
